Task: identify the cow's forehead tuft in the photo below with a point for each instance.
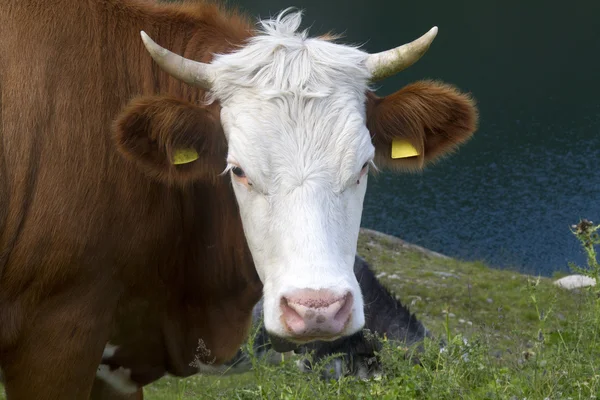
(281, 59)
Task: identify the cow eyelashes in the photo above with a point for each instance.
(240, 175)
(363, 171)
(237, 171)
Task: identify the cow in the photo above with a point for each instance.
(385, 316)
(163, 166)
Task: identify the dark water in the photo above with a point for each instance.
(509, 196)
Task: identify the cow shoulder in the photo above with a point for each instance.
(171, 140)
(434, 117)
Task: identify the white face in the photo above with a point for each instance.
(299, 152)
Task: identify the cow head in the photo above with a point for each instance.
(297, 129)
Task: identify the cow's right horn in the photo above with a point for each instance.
(191, 72)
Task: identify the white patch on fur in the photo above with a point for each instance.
(293, 111)
(334, 369)
(109, 350)
(119, 379)
(301, 365)
(575, 281)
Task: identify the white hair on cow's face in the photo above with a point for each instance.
(293, 111)
(281, 60)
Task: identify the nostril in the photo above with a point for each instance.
(344, 313)
(289, 313)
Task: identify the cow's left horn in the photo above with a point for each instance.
(390, 62)
(191, 72)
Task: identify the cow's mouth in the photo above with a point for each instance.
(284, 345)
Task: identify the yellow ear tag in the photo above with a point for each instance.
(184, 156)
(403, 149)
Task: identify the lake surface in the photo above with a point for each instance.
(509, 196)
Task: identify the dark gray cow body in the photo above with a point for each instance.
(384, 316)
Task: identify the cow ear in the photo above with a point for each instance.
(171, 140)
(419, 124)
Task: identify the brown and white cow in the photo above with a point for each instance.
(125, 251)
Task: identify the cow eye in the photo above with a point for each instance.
(237, 171)
(364, 168)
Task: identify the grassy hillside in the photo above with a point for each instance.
(510, 336)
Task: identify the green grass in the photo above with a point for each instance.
(510, 336)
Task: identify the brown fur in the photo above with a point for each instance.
(435, 117)
(151, 128)
(91, 249)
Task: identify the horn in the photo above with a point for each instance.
(191, 72)
(390, 62)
